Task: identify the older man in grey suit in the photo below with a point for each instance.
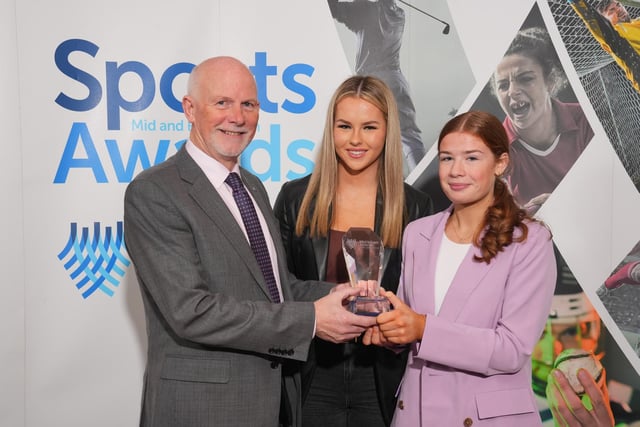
(220, 345)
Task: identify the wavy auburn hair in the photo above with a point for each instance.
(504, 215)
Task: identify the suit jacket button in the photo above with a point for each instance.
(400, 404)
(468, 422)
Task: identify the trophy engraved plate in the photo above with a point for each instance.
(364, 253)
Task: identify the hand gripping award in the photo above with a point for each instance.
(364, 253)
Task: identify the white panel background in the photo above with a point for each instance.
(12, 244)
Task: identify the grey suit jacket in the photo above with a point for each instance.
(216, 345)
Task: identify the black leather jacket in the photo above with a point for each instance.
(307, 260)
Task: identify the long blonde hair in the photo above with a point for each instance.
(323, 181)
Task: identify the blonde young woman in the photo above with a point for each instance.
(357, 182)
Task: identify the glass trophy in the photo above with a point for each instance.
(363, 253)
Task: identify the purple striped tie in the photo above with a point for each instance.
(254, 231)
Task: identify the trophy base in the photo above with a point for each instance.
(369, 306)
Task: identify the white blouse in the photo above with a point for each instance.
(450, 257)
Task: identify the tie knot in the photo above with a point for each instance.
(234, 181)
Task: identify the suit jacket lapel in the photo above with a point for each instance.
(469, 275)
(214, 207)
(424, 263)
(320, 251)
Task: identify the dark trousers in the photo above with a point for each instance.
(343, 394)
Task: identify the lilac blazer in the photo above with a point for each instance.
(473, 365)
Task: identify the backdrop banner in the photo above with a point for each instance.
(12, 303)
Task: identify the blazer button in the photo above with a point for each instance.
(468, 422)
(400, 404)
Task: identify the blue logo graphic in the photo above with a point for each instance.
(95, 262)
